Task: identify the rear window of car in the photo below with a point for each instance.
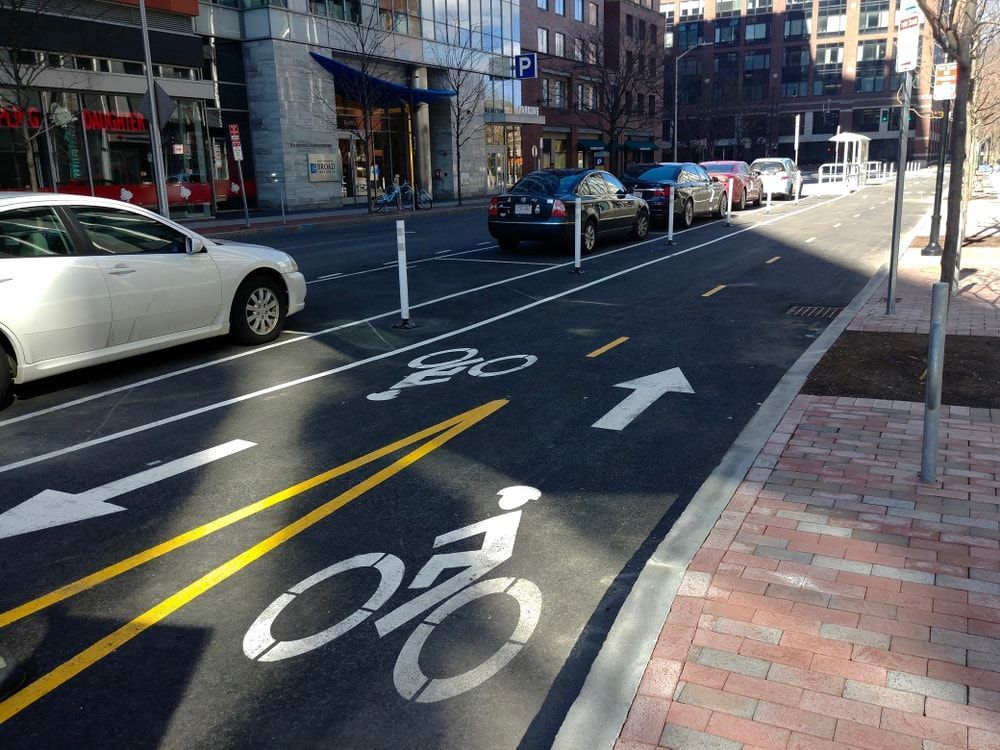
(546, 183)
(659, 174)
(721, 166)
(637, 169)
(768, 167)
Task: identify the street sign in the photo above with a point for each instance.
(234, 137)
(908, 37)
(945, 81)
(322, 167)
(525, 66)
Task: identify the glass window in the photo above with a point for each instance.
(829, 69)
(874, 16)
(543, 40)
(577, 10)
(870, 75)
(832, 17)
(124, 232)
(798, 24)
(689, 34)
(727, 8)
(543, 4)
(546, 182)
(629, 25)
(592, 14)
(32, 233)
(559, 48)
(727, 32)
(758, 29)
(613, 183)
(756, 74)
(866, 120)
(560, 7)
(578, 50)
(662, 174)
(826, 121)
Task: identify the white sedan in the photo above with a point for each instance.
(87, 280)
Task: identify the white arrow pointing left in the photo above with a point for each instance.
(647, 390)
(54, 508)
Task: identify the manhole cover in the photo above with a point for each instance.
(813, 311)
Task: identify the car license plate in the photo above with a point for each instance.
(522, 208)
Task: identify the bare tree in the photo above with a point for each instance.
(23, 60)
(963, 29)
(368, 45)
(624, 78)
(464, 62)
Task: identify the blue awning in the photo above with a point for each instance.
(350, 78)
(639, 145)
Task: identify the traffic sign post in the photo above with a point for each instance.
(933, 246)
(237, 144)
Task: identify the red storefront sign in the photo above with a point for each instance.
(13, 117)
(122, 122)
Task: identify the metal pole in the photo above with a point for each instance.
(670, 218)
(677, 61)
(933, 246)
(159, 172)
(729, 204)
(243, 192)
(404, 289)
(577, 232)
(897, 210)
(935, 370)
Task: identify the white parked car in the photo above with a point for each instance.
(88, 280)
(779, 176)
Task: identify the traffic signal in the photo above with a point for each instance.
(885, 114)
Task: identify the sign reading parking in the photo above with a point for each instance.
(526, 66)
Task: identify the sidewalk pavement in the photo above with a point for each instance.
(839, 602)
(304, 220)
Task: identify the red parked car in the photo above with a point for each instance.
(746, 183)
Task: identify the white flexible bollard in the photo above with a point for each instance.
(578, 232)
(404, 289)
(729, 204)
(670, 217)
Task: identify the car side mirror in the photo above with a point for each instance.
(193, 245)
(716, 178)
(622, 194)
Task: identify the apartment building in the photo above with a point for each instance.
(746, 68)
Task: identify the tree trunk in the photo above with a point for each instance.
(953, 231)
(29, 150)
(458, 165)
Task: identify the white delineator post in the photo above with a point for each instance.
(729, 203)
(768, 209)
(670, 216)
(577, 235)
(798, 186)
(404, 289)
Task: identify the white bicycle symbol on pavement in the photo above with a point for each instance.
(498, 544)
(430, 370)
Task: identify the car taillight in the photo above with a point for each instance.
(558, 208)
(493, 207)
(661, 193)
(783, 175)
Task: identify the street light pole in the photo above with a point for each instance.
(159, 173)
(677, 61)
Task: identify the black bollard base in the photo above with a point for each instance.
(932, 248)
(404, 325)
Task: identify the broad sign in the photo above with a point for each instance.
(945, 80)
(526, 66)
(908, 37)
(234, 137)
(322, 167)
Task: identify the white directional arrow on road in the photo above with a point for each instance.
(54, 508)
(647, 390)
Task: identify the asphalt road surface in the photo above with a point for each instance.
(368, 537)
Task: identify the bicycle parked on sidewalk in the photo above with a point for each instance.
(401, 196)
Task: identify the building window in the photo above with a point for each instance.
(689, 80)
(866, 120)
(592, 53)
(870, 71)
(690, 34)
(543, 4)
(559, 89)
(401, 16)
(560, 7)
(642, 30)
(692, 10)
(832, 17)
(874, 16)
(829, 69)
(798, 24)
(578, 50)
(342, 10)
(758, 30)
(592, 14)
(559, 48)
(577, 10)
(825, 121)
(629, 26)
(727, 32)
(758, 6)
(756, 75)
(727, 8)
(543, 39)
(795, 64)
(652, 105)
(628, 102)
(727, 74)
(668, 37)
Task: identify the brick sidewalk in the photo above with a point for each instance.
(839, 602)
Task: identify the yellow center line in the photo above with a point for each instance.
(775, 259)
(105, 646)
(713, 290)
(141, 558)
(610, 345)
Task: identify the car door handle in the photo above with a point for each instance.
(121, 270)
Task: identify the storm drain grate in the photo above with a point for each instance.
(813, 311)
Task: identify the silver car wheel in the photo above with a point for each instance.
(262, 310)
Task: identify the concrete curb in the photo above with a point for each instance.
(597, 716)
(237, 229)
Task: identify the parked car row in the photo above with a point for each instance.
(542, 205)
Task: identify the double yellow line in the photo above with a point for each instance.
(435, 437)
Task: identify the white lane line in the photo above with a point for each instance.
(484, 243)
(389, 263)
(439, 252)
(410, 347)
(328, 276)
(872, 208)
(838, 224)
(856, 215)
(487, 260)
(811, 239)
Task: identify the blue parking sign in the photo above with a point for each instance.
(526, 66)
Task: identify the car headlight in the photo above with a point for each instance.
(289, 265)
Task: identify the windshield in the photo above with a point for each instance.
(721, 166)
(637, 169)
(666, 173)
(768, 167)
(546, 183)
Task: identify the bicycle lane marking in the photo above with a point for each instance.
(110, 643)
(141, 558)
(410, 347)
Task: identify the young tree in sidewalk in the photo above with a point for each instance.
(625, 76)
(368, 44)
(24, 25)
(963, 29)
(465, 65)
